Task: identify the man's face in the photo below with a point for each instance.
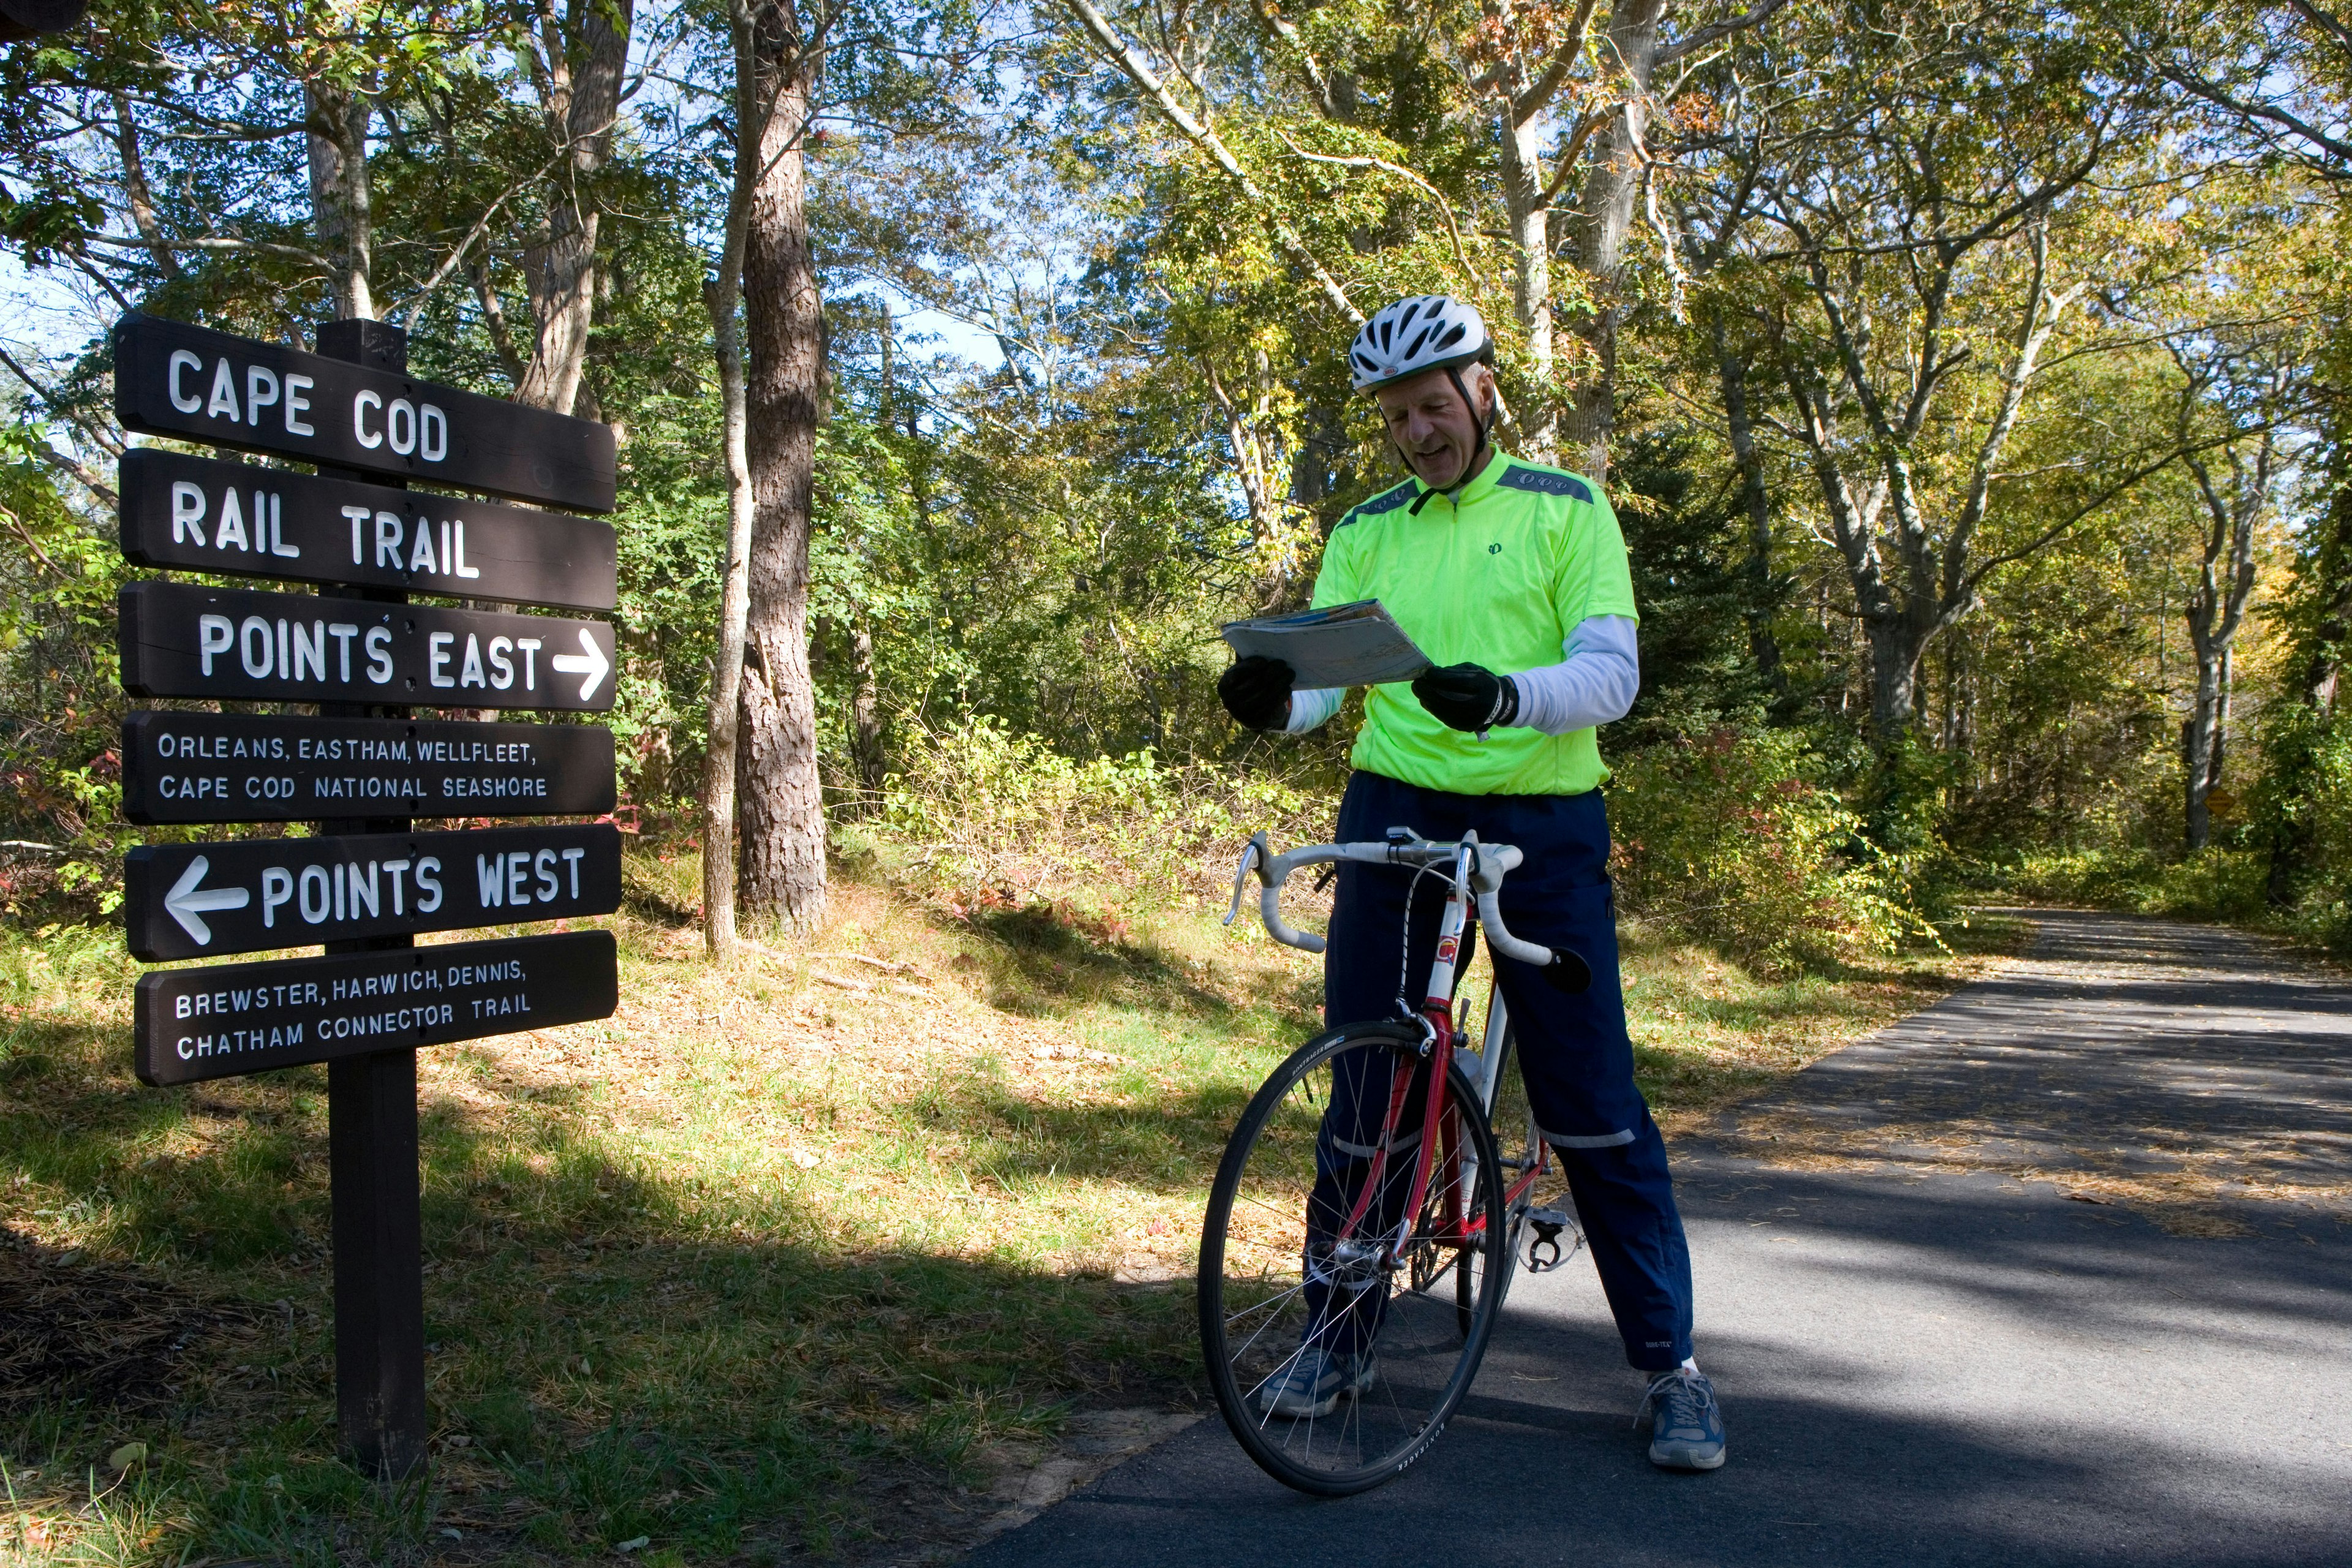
(1430, 424)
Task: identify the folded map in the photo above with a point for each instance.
(1344, 645)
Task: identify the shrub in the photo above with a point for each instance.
(979, 811)
(2213, 884)
(1729, 837)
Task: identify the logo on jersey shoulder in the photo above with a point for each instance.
(1544, 483)
(1493, 550)
(1386, 502)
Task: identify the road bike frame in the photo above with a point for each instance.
(1473, 881)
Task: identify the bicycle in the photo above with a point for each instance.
(1311, 1243)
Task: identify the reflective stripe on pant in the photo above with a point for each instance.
(1573, 1050)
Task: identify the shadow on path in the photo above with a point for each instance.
(1929, 1352)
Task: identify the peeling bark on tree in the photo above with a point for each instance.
(2215, 611)
(336, 125)
(1600, 232)
(579, 84)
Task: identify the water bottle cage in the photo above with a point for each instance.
(1548, 1225)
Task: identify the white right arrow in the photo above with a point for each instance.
(188, 905)
(592, 663)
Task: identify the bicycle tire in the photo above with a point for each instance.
(1253, 1289)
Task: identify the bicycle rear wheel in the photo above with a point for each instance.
(1284, 1273)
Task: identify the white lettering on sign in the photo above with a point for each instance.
(214, 634)
(407, 428)
(183, 360)
(187, 512)
(260, 391)
(191, 506)
(336, 891)
(263, 389)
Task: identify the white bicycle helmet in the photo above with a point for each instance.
(1428, 332)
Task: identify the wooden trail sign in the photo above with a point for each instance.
(234, 767)
(192, 901)
(231, 1018)
(172, 379)
(363, 768)
(201, 514)
(178, 640)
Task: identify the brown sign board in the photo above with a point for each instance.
(192, 901)
(179, 640)
(172, 379)
(201, 514)
(220, 1020)
(244, 767)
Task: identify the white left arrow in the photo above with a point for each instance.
(592, 664)
(189, 907)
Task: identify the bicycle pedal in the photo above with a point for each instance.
(1549, 1224)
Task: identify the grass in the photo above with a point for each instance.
(768, 1265)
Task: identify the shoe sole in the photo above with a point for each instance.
(1679, 1458)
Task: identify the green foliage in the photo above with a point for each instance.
(2214, 884)
(982, 812)
(1730, 837)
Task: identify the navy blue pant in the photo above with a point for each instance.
(1573, 1050)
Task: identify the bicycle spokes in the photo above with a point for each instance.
(1340, 1329)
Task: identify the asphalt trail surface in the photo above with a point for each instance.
(2039, 1324)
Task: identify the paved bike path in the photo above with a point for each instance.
(1927, 1360)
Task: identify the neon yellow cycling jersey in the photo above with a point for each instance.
(1498, 579)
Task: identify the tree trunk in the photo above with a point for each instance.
(1896, 644)
(1530, 219)
(1731, 371)
(1600, 235)
(2197, 747)
(724, 712)
(561, 272)
(783, 817)
(722, 297)
(865, 714)
(336, 124)
(2216, 610)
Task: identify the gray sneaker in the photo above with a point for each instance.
(1316, 1381)
(1689, 1431)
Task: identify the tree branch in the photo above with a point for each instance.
(1138, 70)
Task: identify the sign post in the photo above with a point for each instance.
(371, 1147)
(364, 884)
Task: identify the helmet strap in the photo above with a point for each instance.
(1485, 422)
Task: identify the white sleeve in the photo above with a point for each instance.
(1311, 706)
(1594, 685)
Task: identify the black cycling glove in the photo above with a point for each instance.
(1256, 692)
(1468, 697)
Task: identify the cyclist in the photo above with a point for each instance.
(1513, 576)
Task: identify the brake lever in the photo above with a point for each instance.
(1251, 856)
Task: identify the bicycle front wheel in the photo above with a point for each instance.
(1297, 1273)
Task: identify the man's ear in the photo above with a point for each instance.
(1490, 394)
